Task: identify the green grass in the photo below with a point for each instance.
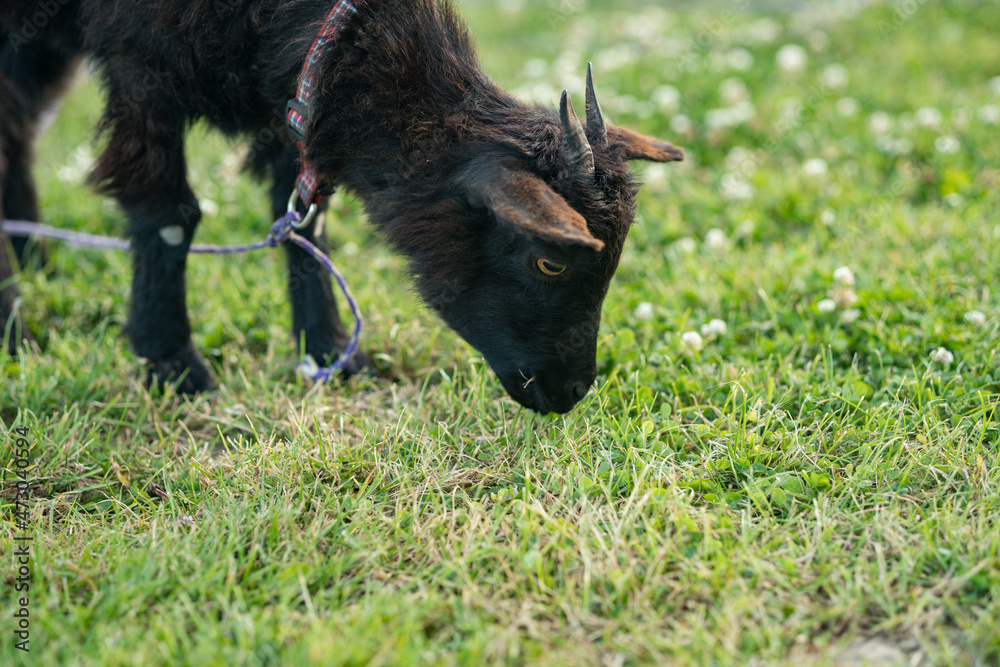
(808, 481)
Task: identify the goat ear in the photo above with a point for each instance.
(640, 147)
(528, 203)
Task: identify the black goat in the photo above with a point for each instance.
(513, 217)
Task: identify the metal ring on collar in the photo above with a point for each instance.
(310, 215)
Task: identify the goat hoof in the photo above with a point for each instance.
(358, 364)
(185, 371)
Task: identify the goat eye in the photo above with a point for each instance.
(551, 268)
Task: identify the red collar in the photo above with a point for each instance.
(298, 109)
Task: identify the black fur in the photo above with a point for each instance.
(448, 164)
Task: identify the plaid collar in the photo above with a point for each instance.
(298, 109)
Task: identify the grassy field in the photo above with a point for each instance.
(813, 480)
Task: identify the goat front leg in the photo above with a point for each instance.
(159, 329)
(143, 166)
(315, 320)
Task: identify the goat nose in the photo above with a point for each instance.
(578, 390)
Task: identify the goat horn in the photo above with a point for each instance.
(579, 154)
(595, 119)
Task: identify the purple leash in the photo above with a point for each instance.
(281, 231)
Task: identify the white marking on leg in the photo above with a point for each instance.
(173, 235)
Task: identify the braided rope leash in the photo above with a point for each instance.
(281, 231)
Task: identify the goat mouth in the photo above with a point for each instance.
(525, 388)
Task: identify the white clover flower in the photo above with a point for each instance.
(741, 160)
(767, 31)
(666, 97)
(847, 107)
(681, 124)
(732, 116)
(655, 176)
(792, 58)
(647, 26)
(975, 318)
(566, 68)
(928, 117)
(947, 145)
(818, 40)
(684, 246)
(887, 144)
(791, 107)
(717, 61)
(995, 85)
(622, 103)
(953, 200)
(826, 306)
(714, 329)
(735, 188)
(233, 159)
(617, 57)
(744, 111)
(814, 167)
(844, 297)
(716, 239)
(942, 356)
(716, 118)
(740, 59)
(844, 276)
(644, 311)
(350, 249)
(692, 341)
(733, 90)
(850, 315)
(834, 76)
(746, 228)
(989, 114)
(209, 207)
(540, 92)
(536, 68)
(828, 216)
(80, 163)
(880, 122)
